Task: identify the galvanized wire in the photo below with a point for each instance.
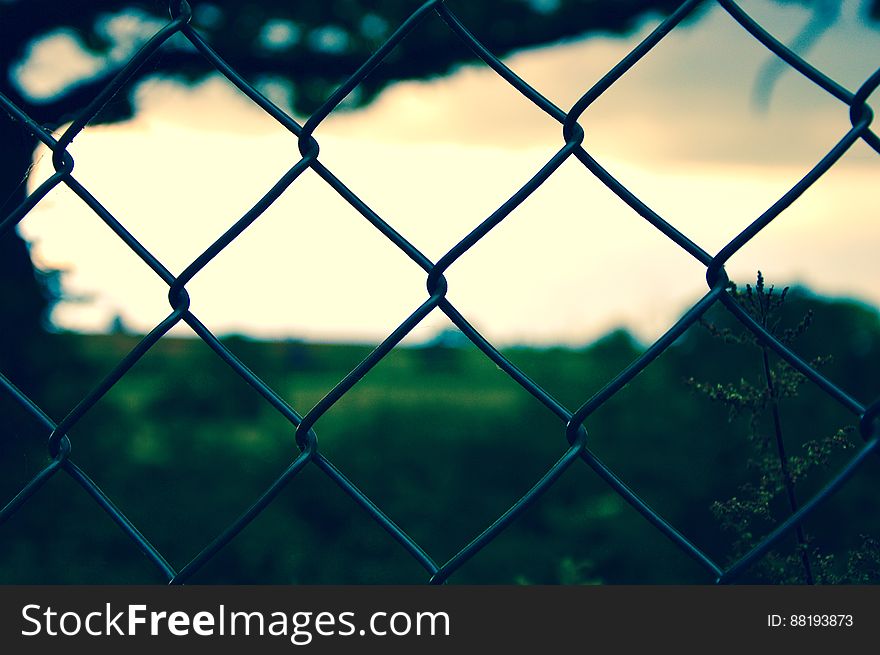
(572, 422)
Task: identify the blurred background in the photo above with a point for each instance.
(708, 129)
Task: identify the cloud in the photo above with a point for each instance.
(436, 158)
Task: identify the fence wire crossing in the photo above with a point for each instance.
(572, 423)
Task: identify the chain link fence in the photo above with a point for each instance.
(573, 432)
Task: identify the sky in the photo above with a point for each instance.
(685, 130)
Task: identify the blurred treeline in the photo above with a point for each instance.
(437, 436)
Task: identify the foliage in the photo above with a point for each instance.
(771, 494)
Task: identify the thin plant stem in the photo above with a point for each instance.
(783, 466)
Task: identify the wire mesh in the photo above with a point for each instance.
(572, 422)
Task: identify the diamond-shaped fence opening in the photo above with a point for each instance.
(321, 285)
(306, 458)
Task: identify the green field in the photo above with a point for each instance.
(438, 437)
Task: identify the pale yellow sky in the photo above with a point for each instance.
(435, 158)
